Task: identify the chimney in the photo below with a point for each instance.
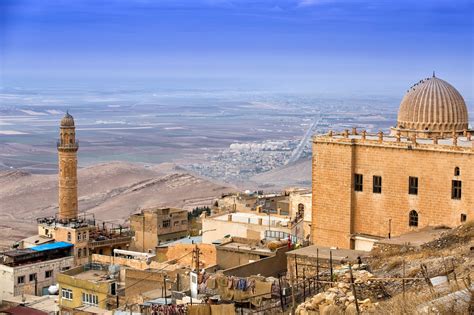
(364, 134)
(229, 217)
(354, 131)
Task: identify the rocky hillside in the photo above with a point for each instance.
(438, 279)
(112, 191)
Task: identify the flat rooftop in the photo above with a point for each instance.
(93, 272)
(252, 218)
(338, 254)
(37, 240)
(92, 275)
(245, 247)
(415, 238)
(185, 240)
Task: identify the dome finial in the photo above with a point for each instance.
(434, 74)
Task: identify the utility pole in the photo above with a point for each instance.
(293, 300)
(164, 283)
(269, 221)
(196, 259)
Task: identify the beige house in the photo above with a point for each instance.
(242, 224)
(153, 226)
(32, 271)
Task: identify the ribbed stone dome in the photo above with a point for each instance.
(433, 106)
(67, 121)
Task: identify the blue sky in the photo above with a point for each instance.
(365, 47)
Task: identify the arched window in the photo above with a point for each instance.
(457, 171)
(300, 210)
(69, 236)
(413, 218)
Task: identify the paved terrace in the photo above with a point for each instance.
(251, 218)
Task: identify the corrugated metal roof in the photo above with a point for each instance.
(50, 246)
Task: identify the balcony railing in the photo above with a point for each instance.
(74, 145)
(282, 236)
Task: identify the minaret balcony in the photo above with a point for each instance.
(67, 146)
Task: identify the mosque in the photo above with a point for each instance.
(367, 187)
(67, 225)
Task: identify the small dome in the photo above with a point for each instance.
(433, 105)
(67, 121)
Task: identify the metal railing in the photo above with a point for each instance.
(282, 236)
(112, 241)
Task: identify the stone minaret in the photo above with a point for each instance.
(67, 154)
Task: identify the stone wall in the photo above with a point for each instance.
(338, 211)
(207, 254)
(270, 266)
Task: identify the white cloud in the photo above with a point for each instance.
(308, 3)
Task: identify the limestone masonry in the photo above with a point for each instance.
(372, 186)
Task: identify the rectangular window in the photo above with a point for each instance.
(456, 189)
(377, 189)
(358, 182)
(48, 273)
(90, 299)
(184, 222)
(413, 185)
(79, 236)
(66, 294)
(20, 280)
(166, 223)
(113, 288)
(463, 217)
(175, 223)
(32, 277)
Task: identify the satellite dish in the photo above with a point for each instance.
(53, 289)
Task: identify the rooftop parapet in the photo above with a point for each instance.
(454, 143)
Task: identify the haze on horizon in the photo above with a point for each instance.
(363, 47)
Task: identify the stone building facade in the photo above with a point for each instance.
(153, 226)
(33, 270)
(380, 186)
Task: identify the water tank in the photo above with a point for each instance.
(53, 289)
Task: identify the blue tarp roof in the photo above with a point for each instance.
(50, 246)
